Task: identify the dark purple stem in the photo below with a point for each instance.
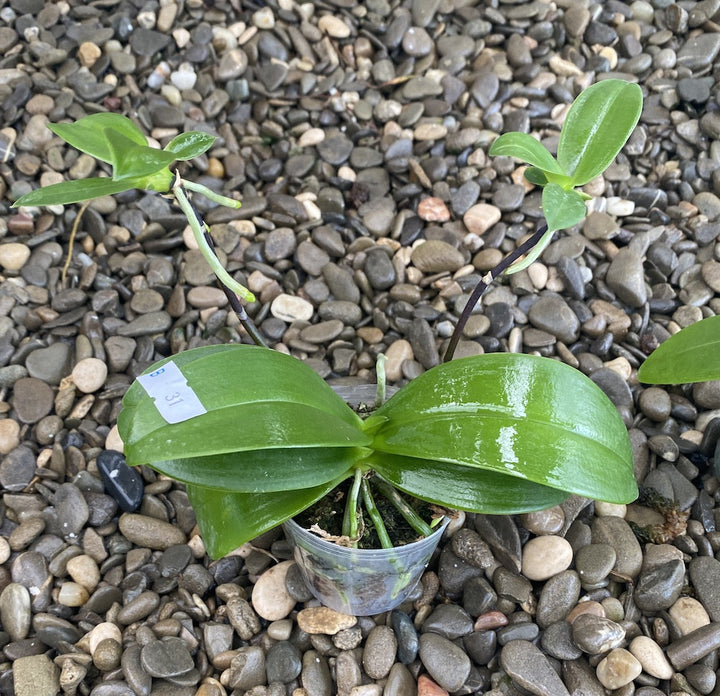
(483, 285)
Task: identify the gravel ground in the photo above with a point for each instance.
(356, 135)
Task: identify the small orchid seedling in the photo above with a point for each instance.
(596, 128)
(117, 141)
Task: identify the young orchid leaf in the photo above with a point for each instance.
(597, 127)
(562, 209)
(526, 148)
(691, 355)
(536, 176)
(132, 161)
(186, 146)
(88, 134)
(66, 192)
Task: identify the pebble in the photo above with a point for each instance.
(89, 375)
(435, 256)
(35, 675)
(168, 657)
(270, 599)
(446, 663)
(650, 655)
(32, 399)
(704, 575)
(324, 621)
(15, 611)
(688, 614)
(379, 652)
(546, 556)
(625, 277)
(530, 669)
(596, 634)
(150, 532)
(615, 532)
(618, 669)
(13, 255)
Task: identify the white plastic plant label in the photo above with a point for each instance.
(173, 397)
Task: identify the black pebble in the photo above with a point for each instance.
(123, 483)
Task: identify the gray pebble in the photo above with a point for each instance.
(530, 669)
(446, 663)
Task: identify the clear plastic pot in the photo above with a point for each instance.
(361, 582)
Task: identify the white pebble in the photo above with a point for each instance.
(651, 657)
(89, 375)
(610, 509)
(264, 18)
(290, 308)
(546, 556)
(333, 26)
(184, 77)
(13, 256)
(270, 599)
(688, 614)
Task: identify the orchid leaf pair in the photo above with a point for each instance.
(116, 140)
(596, 128)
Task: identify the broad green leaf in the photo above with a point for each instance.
(515, 415)
(188, 145)
(561, 208)
(256, 398)
(691, 355)
(67, 192)
(597, 126)
(469, 488)
(131, 161)
(228, 520)
(264, 470)
(524, 147)
(87, 134)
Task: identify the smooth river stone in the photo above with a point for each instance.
(270, 599)
(651, 657)
(616, 532)
(546, 556)
(529, 668)
(619, 668)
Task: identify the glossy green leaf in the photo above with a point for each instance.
(264, 470)
(256, 398)
(132, 161)
(691, 355)
(188, 145)
(469, 488)
(524, 147)
(87, 134)
(597, 126)
(228, 520)
(561, 208)
(516, 415)
(66, 192)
